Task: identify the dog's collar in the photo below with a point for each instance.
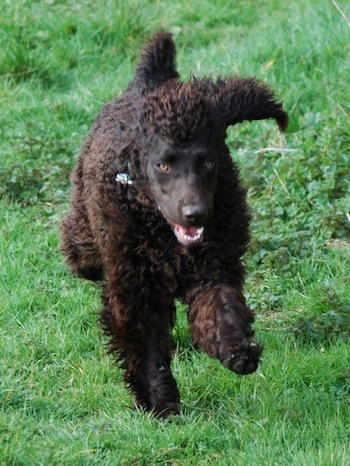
(123, 178)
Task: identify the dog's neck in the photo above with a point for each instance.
(131, 192)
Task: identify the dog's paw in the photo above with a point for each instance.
(241, 358)
(165, 411)
(160, 411)
(163, 395)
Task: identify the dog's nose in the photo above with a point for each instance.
(195, 213)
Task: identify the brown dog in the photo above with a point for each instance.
(158, 212)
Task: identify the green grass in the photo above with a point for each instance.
(62, 401)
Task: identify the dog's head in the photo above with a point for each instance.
(184, 127)
(182, 180)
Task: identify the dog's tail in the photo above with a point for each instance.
(157, 63)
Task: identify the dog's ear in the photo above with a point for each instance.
(157, 62)
(238, 99)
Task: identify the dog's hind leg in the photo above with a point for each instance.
(77, 242)
(79, 247)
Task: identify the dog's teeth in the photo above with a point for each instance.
(188, 235)
(192, 238)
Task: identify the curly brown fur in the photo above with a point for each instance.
(178, 231)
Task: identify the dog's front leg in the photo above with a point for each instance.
(220, 324)
(141, 341)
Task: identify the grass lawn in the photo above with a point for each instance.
(62, 401)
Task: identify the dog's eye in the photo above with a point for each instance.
(209, 164)
(163, 167)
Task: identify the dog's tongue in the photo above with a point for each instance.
(188, 235)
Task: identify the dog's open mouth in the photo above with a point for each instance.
(188, 236)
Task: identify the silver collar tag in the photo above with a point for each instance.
(123, 178)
